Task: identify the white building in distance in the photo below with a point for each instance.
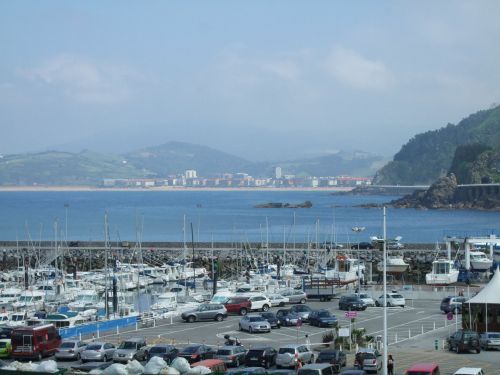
(190, 173)
(277, 172)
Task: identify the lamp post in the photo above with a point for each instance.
(358, 230)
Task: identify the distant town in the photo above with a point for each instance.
(191, 179)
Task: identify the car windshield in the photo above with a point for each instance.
(268, 315)
(302, 308)
(306, 371)
(287, 350)
(368, 356)
(470, 335)
(128, 345)
(396, 296)
(94, 347)
(66, 345)
(324, 314)
(494, 335)
(327, 355)
(190, 349)
(223, 352)
(256, 319)
(158, 349)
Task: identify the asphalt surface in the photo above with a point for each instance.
(413, 332)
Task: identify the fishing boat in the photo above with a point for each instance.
(30, 300)
(395, 265)
(347, 270)
(443, 273)
(479, 261)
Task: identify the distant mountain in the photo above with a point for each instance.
(173, 158)
(431, 155)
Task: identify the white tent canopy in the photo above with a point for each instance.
(490, 294)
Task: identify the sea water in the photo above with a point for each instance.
(225, 216)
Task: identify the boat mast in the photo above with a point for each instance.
(106, 275)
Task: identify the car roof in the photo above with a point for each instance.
(291, 346)
(162, 346)
(228, 347)
(316, 366)
(423, 366)
(134, 339)
(207, 362)
(468, 370)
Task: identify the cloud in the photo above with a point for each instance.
(83, 80)
(352, 69)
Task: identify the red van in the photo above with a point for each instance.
(423, 369)
(34, 342)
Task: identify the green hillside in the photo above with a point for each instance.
(430, 155)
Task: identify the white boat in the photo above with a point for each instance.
(394, 265)
(65, 320)
(443, 272)
(479, 261)
(8, 296)
(17, 319)
(346, 270)
(165, 302)
(86, 299)
(30, 300)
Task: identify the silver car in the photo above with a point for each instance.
(254, 323)
(98, 351)
(294, 295)
(490, 340)
(133, 348)
(70, 349)
(288, 353)
(232, 355)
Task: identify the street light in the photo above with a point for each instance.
(383, 241)
(358, 230)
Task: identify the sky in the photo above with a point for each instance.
(265, 80)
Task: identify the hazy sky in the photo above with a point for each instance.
(260, 79)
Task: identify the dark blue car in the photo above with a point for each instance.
(322, 318)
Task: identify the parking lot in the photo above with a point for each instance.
(412, 335)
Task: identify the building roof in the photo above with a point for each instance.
(490, 293)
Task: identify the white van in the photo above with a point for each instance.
(469, 371)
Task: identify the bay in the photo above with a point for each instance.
(224, 216)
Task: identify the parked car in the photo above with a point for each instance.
(260, 302)
(261, 356)
(368, 360)
(165, 351)
(254, 323)
(366, 298)
(336, 358)
(278, 300)
(272, 319)
(216, 366)
(132, 348)
(206, 311)
(464, 340)
(294, 295)
(233, 355)
(363, 246)
(98, 351)
(70, 349)
(238, 305)
(393, 299)
(351, 302)
(469, 371)
(322, 318)
(196, 353)
(287, 317)
(302, 311)
(288, 353)
(423, 369)
(5, 348)
(490, 340)
(452, 304)
(317, 369)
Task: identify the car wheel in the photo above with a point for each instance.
(105, 358)
(250, 329)
(279, 326)
(478, 350)
(219, 318)
(281, 304)
(267, 364)
(311, 360)
(239, 327)
(83, 361)
(265, 308)
(191, 319)
(278, 367)
(237, 363)
(377, 304)
(39, 356)
(302, 301)
(457, 350)
(243, 311)
(78, 357)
